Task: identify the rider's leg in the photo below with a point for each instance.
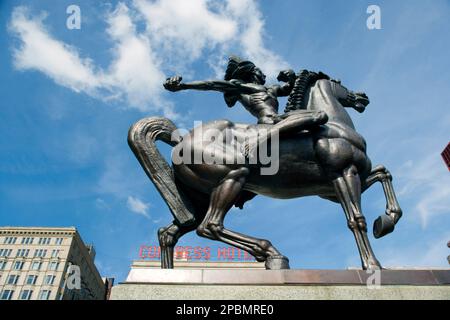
(348, 191)
(385, 224)
(299, 120)
(291, 122)
(222, 199)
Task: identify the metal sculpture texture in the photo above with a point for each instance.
(319, 154)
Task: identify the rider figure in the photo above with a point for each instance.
(244, 82)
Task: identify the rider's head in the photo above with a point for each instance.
(258, 76)
(244, 70)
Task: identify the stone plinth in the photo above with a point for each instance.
(256, 284)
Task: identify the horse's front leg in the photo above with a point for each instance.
(385, 224)
(222, 199)
(347, 186)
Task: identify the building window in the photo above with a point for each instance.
(59, 241)
(31, 280)
(44, 294)
(5, 252)
(41, 253)
(44, 240)
(18, 265)
(10, 240)
(26, 294)
(49, 279)
(22, 252)
(27, 240)
(7, 294)
(12, 279)
(2, 265)
(36, 265)
(54, 265)
(55, 253)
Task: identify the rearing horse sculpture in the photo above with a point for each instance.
(326, 157)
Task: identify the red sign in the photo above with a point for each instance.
(197, 253)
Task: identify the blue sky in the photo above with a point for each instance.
(68, 98)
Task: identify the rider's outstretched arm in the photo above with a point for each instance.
(233, 86)
(211, 85)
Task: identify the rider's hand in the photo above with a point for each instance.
(173, 83)
(286, 76)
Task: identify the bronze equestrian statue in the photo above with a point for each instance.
(320, 154)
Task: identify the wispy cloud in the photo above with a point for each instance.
(177, 33)
(428, 178)
(40, 51)
(135, 69)
(101, 204)
(184, 30)
(430, 253)
(138, 206)
(82, 147)
(117, 179)
(251, 35)
(133, 75)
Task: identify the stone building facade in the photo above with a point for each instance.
(47, 264)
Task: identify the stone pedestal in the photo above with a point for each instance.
(243, 282)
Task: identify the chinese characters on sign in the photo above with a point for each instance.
(197, 253)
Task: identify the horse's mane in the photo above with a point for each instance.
(305, 79)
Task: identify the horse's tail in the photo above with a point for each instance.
(142, 138)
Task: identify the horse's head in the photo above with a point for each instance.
(358, 101)
(355, 100)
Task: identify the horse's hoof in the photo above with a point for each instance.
(383, 226)
(277, 263)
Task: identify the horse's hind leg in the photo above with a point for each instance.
(348, 191)
(168, 238)
(385, 223)
(222, 199)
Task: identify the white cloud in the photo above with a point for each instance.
(186, 27)
(133, 74)
(39, 51)
(251, 21)
(177, 33)
(135, 69)
(137, 206)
